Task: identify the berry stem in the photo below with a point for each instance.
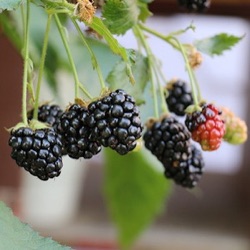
(71, 60)
(93, 57)
(190, 74)
(140, 35)
(41, 66)
(197, 86)
(166, 38)
(26, 64)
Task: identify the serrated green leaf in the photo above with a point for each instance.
(98, 25)
(120, 15)
(9, 5)
(217, 44)
(135, 193)
(16, 235)
(118, 77)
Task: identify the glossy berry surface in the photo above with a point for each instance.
(49, 114)
(195, 5)
(115, 121)
(189, 172)
(38, 151)
(76, 133)
(179, 97)
(169, 141)
(207, 127)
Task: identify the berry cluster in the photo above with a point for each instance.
(169, 140)
(80, 131)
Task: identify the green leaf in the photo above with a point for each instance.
(144, 11)
(9, 4)
(116, 48)
(120, 15)
(16, 235)
(217, 44)
(118, 77)
(135, 193)
(101, 29)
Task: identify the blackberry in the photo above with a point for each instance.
(195, 5)
(179, 97)
(49, 114)
(115, 121)
(169, 141)
(76, 134)
(37, 151)
(189, 172)
(206, 126)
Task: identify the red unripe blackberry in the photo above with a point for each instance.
(195, 5)
(206, 126)
(189, 172)
(115, 121)
(178, 97)
(37, 151)
(76, 133)
(169, 141)
(49, 114)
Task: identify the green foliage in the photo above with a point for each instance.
(118, 77)
(9, 4)
(135, 193)
(120, 15)
(217, 44)
(16, 235)
(144, 11)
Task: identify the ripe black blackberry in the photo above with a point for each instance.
(169, 141)
(195, 5)
(37, 151)
(189, 172)
(115, 121)
(76, 133)
(49, 114)
(178, 97)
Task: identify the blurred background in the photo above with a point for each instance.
(72, 209)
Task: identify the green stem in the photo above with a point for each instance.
(41, 66)
(164, 106)
(159, 35)
(93, 57)
(26, 65)
(190, 73)
(197, 87)
(138, 31)
(71, 60)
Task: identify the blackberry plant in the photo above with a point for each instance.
(111, 112)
